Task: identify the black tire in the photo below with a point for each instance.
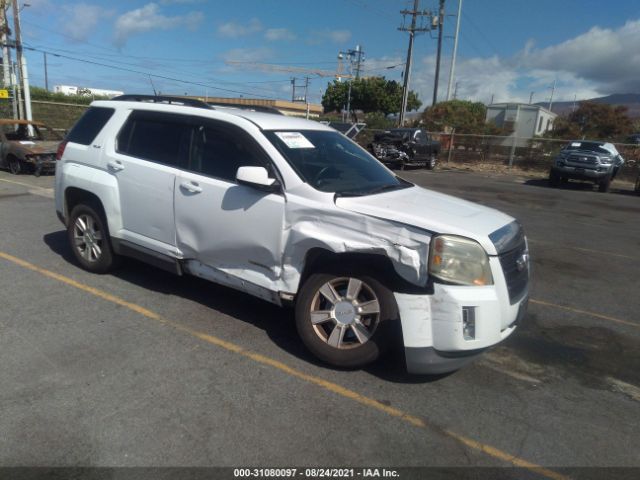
(604, 184)
(15, 165)
(554, 179)
(637, 189)
(433, 160)
(95, 234)
(564, 180)
(354, 353)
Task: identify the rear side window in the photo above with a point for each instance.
(87, 128)
(157, 137)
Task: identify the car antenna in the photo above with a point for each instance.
(155, 94)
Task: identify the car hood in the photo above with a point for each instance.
(36, 147)
(432, 211)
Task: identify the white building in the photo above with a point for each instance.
(86, 91)
(521, 120)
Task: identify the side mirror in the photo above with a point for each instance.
(257, 177)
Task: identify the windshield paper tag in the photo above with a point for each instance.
(575, 144)
(26, 142)
(294, 140)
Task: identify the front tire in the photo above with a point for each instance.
(89, 239)
(604, 185)
(554, 179)
(637, 189)
(344, 319)
(433, 160)
(15, 165)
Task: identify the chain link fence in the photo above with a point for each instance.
(528, 154)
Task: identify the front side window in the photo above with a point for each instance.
(157, 137)
(330, 162)
(220, 149)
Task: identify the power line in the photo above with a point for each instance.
(130, 70)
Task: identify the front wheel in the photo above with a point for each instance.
(344, 319)
(89, 238)
(433, 159)
(15, 165)
(554, 179)
(637, 189)
(603, 185)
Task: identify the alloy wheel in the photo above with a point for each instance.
(87, 238)
(345, 312)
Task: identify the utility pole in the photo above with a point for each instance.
(531, 98)
(22, 64)
(407, 68)
(4, 34)
(46, 74)
(452, 70)
(359, 54)
(439, 54)
(553, 89)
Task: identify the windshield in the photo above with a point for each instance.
(592, 147)
(330, 162)
(20, 132)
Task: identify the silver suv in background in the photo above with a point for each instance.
(586, 160)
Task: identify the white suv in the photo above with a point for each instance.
(293, 212)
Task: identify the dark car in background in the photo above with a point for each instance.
(27, 146)
(404, 147)
(586, 160)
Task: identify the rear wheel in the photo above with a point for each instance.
(637, 189)
(15, 165)
(343, 319)
(89, 239)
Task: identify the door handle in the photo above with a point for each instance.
(191, 187)
(115, 165)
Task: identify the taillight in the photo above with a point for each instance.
(60, 150)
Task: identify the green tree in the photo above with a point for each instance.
(594, 120)
(372, 94)
(463, 115)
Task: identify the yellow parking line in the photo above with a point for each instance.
(585, 312)
(320, 382)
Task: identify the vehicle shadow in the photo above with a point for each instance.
(575, 186)
(278, 323)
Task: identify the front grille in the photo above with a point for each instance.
(515, 265)
(582, 159)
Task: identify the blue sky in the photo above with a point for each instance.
(507, 49)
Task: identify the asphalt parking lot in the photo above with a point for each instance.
(142, 368)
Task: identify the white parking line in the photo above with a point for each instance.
(33, 189)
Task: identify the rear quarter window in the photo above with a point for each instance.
(87, 128)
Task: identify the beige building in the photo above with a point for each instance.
(521, 120)
(292, 109)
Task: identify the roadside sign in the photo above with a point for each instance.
(4, 93)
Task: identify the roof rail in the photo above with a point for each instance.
(187, 102)
(242, 106)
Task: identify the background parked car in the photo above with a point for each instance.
(587, 160)
(402, 147)
(27, 146)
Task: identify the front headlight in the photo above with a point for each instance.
(459, 260)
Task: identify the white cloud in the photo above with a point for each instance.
(81, 19)
(334, 36)
(608, 57)
(149, 18)
(247, 54)
(235, 30)
(275, 34)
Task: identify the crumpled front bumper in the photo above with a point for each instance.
(433, 326)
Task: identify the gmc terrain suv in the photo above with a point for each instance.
(592, 161)
(293, 212)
